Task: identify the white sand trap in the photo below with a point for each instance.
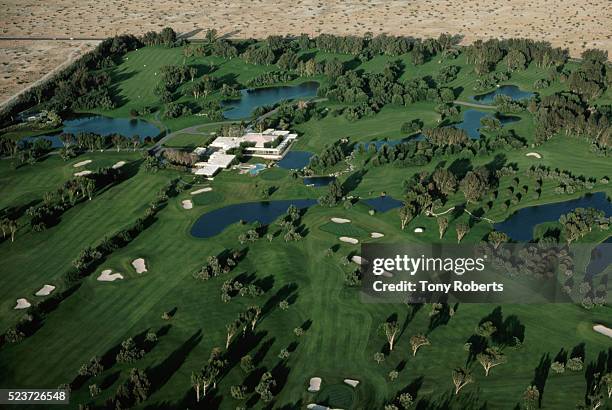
(341, 220)
(348, 239)
(82, 173)
(119, 164)
(387, 274)
(351, 382)
(315, 384)
(359, 260)
(199, 191)
(376, 235)
(82, 163)
(108, 276)
(187, 204)
(45, 290)
(419, 230)
(139, 265)
(603, 330)
(314, 406)
(22, 303)
(533, 154)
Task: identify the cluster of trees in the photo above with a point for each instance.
(517, 53)
(233, 287)
(581, 221)
(216, 265)
(171, 77)
(563, 112)
(167, 37)
(290, 224)
(567, 182)
(593, 76)
(334, 194)
(330, 156)
(271, 77)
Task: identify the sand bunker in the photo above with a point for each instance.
(119, 164)
(187, 204)
(603, 330)
(359, 260)
(45, 290)
(315, 384)
(108, 276)
(82, 173)
(376, 235)
(139, 265)
(341, 220)
(419, 230)
(314, 406)
(351, 382)
(80, 164)
(22, 303)
(348, 239)
(199, 191)
(533, 154)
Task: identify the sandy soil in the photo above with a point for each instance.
(187, 204)
(201, 190)
(340, 220)
(24, 63)
(22, 303)
(108, 276)
(576, 25)
(139, 265)
(351, 382)
(80, 164)
(45, 290)
(315, 384)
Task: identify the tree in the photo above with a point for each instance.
(390, 330)
(193, 72)
(461, 378)
(232, 329)
(405, 400)
(89, 186)
(129, 352)
(246, 364)
(94, 390)
(298, 331)
(445, 181)
(12, 226)
(238, 392)
(474, 185)
(486, 329)
(406, 212)
(516, 60)
(531, 397)
(442, 225)
(264, 386)
(251, 316)
(417, 341)
(607, 381)
(393, 375)
(283, 305)
(91, 368)
(497, 238)
(462, 229)
(379, 357)
(491, 357)
(284, 354)
(197, 380)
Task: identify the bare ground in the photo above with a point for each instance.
(576, 25)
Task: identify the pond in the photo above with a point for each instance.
(295, 160)
(214, 222)
(519, 226)
(601, 258)
(511, 91)
(257, 168)
(252, 98)
(318, 181)
(383, 203)
(98, 124)
(471, 122)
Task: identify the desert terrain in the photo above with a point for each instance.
(575, 25)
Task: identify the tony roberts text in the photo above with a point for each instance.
(425, 286)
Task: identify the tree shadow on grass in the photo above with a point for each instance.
(540, 375)
(160, 374)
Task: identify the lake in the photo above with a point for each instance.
(318, 181)
(383, 203)
(295, 160)
(511, 91)
(250, 99)
(601, 258)
(98, 124)
(519, 226)
(471, 122)
(214, 222)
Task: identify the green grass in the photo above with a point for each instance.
(347, 229)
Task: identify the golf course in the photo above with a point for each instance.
(131, 280)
